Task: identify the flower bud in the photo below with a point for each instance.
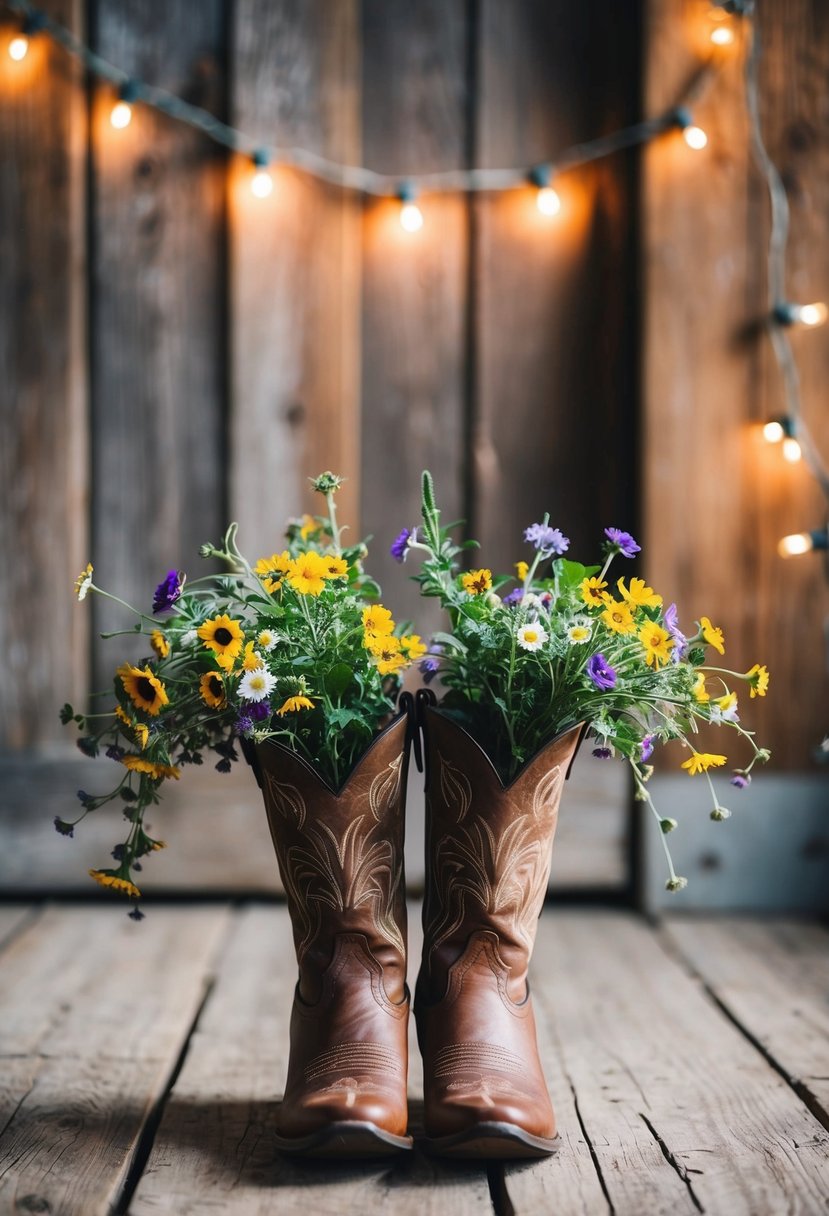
(677, 883)
(719, 813)
(327, 483)
(667, 825)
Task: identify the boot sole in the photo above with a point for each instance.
(345, 1139)
(493, 1141)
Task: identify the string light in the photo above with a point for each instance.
(777, 429)
(798, 543)
(808, 315)
(722, 35)
(547, 199)
(774, 430)
(261, 184)
(18, 47)
(411, 217)
(792, 450)
(121, 114)
(693, 135)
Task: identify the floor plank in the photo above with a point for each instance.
(94, 1013)
(214, 1149)
(773, 978)
(12, 919)
(682, 1113)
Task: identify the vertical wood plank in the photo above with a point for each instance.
(43, 402)
(416, 114)
(556, 338)
(294, 268)
(157, 278)
(709, 380)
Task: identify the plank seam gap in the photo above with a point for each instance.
(802, 1091)
(672, 1161)
(499, 1195)
(593, 1154)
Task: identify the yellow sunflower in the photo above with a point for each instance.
(139, 729)
(618, 616)
(159, 643)
(293, 704)
(477, 582)
(593, 592)
(108, 878)
(657, 642)
(212, 690)
(138, 764)
(712, 635)
(144, 689)
(306, 573)
(700, 762)
(222, 634)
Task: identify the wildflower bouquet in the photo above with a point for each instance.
(295, 648)
(566, 644)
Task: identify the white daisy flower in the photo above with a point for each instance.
(578, 633)
(531, 636)
(266, 639)
(255, 685)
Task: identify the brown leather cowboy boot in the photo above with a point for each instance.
(488, 853)
(341, 860)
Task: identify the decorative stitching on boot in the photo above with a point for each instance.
(353, 1057)
(474, 1057)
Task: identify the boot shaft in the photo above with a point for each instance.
(340, 855)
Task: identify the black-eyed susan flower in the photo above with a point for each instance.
(639, 594)
(83, 582)
(306, 573)
(657, 644)
(594, 592)
(758, 679)
(292, 705)
(377, 622)
(387, 654)
(334, 567)
(144, 689)
(139, 764)
(476, 582)
(212, 690)
(223, 635)
(111, 878)
(712, 635)
(700, 762)
(618, 616)
(159, 643)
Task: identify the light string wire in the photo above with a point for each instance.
(358, 177)
(776, 276)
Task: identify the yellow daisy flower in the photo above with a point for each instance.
(639, 594)
(226, 661)
(378, 644)
(212, 690)
(252, 660)
(266, 567)
(700, 762)
(138, 764)
(712, 635)
(108, 879)
(334, 567)
(386, 651)
(657, 642)
(758, 679)
(222, 634)
(476, 582)
(144, 689)
(83, 582)
(306, 573)
(377, 621)
(309, 527)
(618, 616)
(159, 643)
(412, 646)
(293, 705)
(593, 592)
(521, 571)
(698, 691)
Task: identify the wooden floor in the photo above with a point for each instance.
(140, 1066)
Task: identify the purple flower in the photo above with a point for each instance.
(601, 673)
(168, 591)
(115, 752)
(514, 596)
(623, 542)
(429, 665)
(603, 753)
(547, 540)
(647, 745)
(680, 640)
(136, 914)
(258, 710)
(400, 545)
(244, 725)
(741, 780)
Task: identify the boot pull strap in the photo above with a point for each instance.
(406, 705)
(423, 698)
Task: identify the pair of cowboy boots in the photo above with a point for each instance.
(340, 854)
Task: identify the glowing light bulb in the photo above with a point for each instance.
(411, 217)
(722, 35)
(547, 201)
(261, 184)
(773, 431)
(795, 544)
(813, 314)
(19, 48)
(121, 115)
(695, 137)
(791, 449)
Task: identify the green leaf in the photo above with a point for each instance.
(341, 718)
(337, 679)
(449, 639)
